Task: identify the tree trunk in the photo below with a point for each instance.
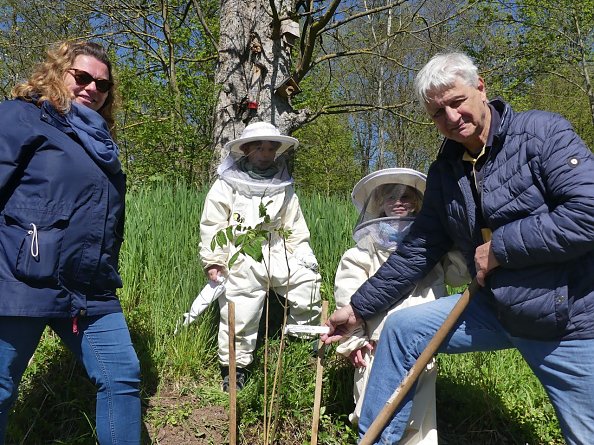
(254, 60)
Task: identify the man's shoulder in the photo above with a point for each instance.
(538, 123)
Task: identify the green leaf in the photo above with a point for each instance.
(262, 210)
(254, 249)
(240, 239)
(221, 238)
(233, 259)
(229, 233)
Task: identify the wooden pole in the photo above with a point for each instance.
(232, 377)
(319, 374)
(413, 374)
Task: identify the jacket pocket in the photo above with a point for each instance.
(35, 239)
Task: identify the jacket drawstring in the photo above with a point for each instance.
(34, 241)
(75, 325)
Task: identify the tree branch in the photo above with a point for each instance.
(205, 25)
(362, 14)
(310, 36)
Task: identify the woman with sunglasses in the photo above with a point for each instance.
(61, 227)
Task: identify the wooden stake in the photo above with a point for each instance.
(319, 374)
(413, 374)
(232, 377)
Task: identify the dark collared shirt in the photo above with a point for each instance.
(473, 166)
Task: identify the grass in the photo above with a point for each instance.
(486, 398)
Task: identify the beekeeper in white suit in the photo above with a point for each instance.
(388, 201)
(256, 172)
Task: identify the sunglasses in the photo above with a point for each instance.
(82, 79)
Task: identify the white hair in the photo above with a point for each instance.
(442, 71)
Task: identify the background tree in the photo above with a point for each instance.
(167, 64)
(259, 55)
(187, 88)
(26, 29)
(549, 47)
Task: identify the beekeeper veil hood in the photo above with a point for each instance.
(388, 201)
(259, 159)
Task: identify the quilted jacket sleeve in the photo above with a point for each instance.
(563, 169)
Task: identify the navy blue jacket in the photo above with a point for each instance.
(61, 219)
(538, 199)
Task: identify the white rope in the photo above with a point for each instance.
(34, 241)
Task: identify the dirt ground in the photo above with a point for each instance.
(180, 419)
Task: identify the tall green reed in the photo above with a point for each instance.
(162, 273)
(330, 221)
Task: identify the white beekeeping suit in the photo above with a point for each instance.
(388, 200)
(236, 198)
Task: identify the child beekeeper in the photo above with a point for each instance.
(388, 201)
(256, 172)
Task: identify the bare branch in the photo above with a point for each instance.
(207, 30)
(361, 108)
(150, 121)
(355, 52)
(566, 79)
(310, 36)
(362, 14)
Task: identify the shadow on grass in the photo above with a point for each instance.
(470, 414)
(56, 402)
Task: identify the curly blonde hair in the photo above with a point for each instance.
(47, 80)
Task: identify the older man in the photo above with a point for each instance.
(529, 179)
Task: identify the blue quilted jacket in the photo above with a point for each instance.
(61, 219)
(538, 200)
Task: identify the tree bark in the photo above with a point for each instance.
(254, 60)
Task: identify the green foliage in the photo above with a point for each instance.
(156, 140)
(163, 63)
(540, 55)
(325, 162)
(509, 404)
(22, 43)
(248, 240)
(553, 93)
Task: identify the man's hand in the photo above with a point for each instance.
(357, 356)
(341, 323)
(484, 261)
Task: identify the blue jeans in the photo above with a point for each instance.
(103, 346)
(565, 368)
